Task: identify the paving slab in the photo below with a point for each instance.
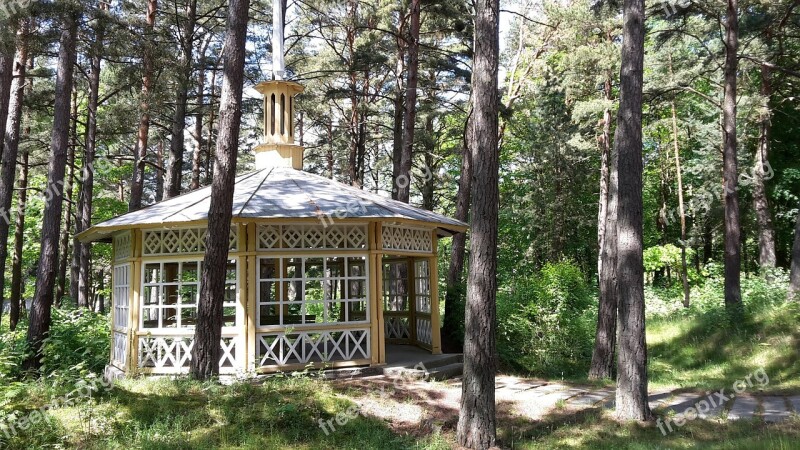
(744, 407)
(795, 402)
(681, 402)
(588, 399)
(774, 409)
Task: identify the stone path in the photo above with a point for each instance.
(412, 405)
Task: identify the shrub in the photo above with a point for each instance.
(78, 343)
(546, 323)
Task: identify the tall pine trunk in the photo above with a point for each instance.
(206, 350)
(175, 169)
(733, 241)
(69, 187)
(477, 421)
(41, 309)
(81, 262)
(410, 116)
(17, 283)
(398, 112)
(681, 211)
(602, 365)
(142, 134)
(766, 231)
(8, 166)
(631, 397)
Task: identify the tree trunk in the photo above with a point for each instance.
(206, 350)
(631, 398)
(733, 242)
(602, 365)
(81, 261)
(766, 231)
(160, 170)
(63, 247)
(175, 169)
(398, 106)
(17, 283)
(10, 149)
(453, 338)
(140, 151)
(476, 421)
(198, 130)
(428, 187)
(404, 178)
(794, 272)
(681, 212)
(48, 259)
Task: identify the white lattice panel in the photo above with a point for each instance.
(424, 330)
(120, 348)
(299, 237)
(175, 352)
(120, 295)
(407, 239)
(122, 245)
(396, 328)
(180, 240)
(279, 349)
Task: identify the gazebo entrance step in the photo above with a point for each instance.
(437, 367)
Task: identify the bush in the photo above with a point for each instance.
(79, 342)
(546, 323)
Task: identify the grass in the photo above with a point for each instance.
(181, 414)
(597, 430)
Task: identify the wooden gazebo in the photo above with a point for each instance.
(319, 274)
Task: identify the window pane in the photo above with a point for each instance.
(268, 268)
(314, 268)
(188, 294)
(152, 273)
(313, 290)
(334, 312)
(228, 316)
(313, 313)
(188, 317)
(190, 272)
(171, 272)
(268, 291)
(149, 318)
(230, 293)
(356, 267)
(169, 318)
(357, 289)
(150, 295)
(170, 295)
(230, 271)
(293, 267)
(334, 267)
(268, 315)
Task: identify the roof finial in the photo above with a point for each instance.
(278, 10)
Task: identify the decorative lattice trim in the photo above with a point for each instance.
(122, 245)
(397, 328)
(181, 240)
(424, 330)
(120, 345)
(173, 352)
(407, 239)
(306, 237)
(279, 349)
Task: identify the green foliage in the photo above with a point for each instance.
(78, 343)
(546, 323)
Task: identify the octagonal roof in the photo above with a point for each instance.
(277, 193)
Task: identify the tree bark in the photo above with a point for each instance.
(142, 134)
(81, 257)
(398, 107)
(631, 397)
(453, 339)
(69, 185)
(48, 259)
(160, 170)
(206, 350)
(403, 181)
(198, 130)
(766, 231)
(794, 272)
(175, 169)
(17, 283)
(602, 365)
(681, 211)
(733, 241)
(8, 166)
(476, 421)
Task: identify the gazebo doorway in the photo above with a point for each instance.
(407, 293)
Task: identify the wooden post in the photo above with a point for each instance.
(135, 301)
(433, 266)
(378, 277)
(411, 291)
(251, 305)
